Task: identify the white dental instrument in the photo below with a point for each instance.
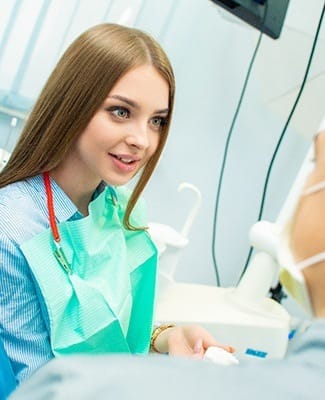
(170, 242)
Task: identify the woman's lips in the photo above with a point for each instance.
(125, 162)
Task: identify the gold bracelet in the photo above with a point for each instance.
(156, 332)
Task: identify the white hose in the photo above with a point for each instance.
(189, 221)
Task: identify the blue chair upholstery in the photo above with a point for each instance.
(7, 377)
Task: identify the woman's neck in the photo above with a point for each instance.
(76, 187)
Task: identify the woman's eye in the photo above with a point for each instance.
(158, 122)
(120, 112)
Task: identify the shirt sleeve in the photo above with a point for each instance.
(23, 328)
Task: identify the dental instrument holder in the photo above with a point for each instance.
(170, 242)
(243, 316)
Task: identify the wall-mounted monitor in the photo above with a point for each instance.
(253, 11)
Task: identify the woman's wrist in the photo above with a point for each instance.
(159, 342)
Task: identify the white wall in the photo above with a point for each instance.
(210, 54)
(211, 57)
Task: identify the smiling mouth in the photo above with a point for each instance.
(125, 160)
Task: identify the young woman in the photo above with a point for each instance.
(77, 267)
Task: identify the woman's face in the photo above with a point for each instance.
(124, 132)
(308, 229)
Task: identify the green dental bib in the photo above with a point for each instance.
(106, 303)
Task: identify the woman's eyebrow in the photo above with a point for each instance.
(124, 99)
(163, 111)
(134, 104)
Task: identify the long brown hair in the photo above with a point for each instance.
(78, 85)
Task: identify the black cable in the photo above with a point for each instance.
(266, 182)
(225, 153)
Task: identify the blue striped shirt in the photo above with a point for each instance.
(24, 322)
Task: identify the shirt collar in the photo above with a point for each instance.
(63, 205)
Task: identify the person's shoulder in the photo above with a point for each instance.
(18, 210)
(13, 197)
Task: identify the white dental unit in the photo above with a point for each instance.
(243, 316)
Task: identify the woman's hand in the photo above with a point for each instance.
(187, 340)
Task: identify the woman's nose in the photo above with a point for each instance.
(138, 136)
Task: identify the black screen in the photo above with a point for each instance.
(252, 12)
